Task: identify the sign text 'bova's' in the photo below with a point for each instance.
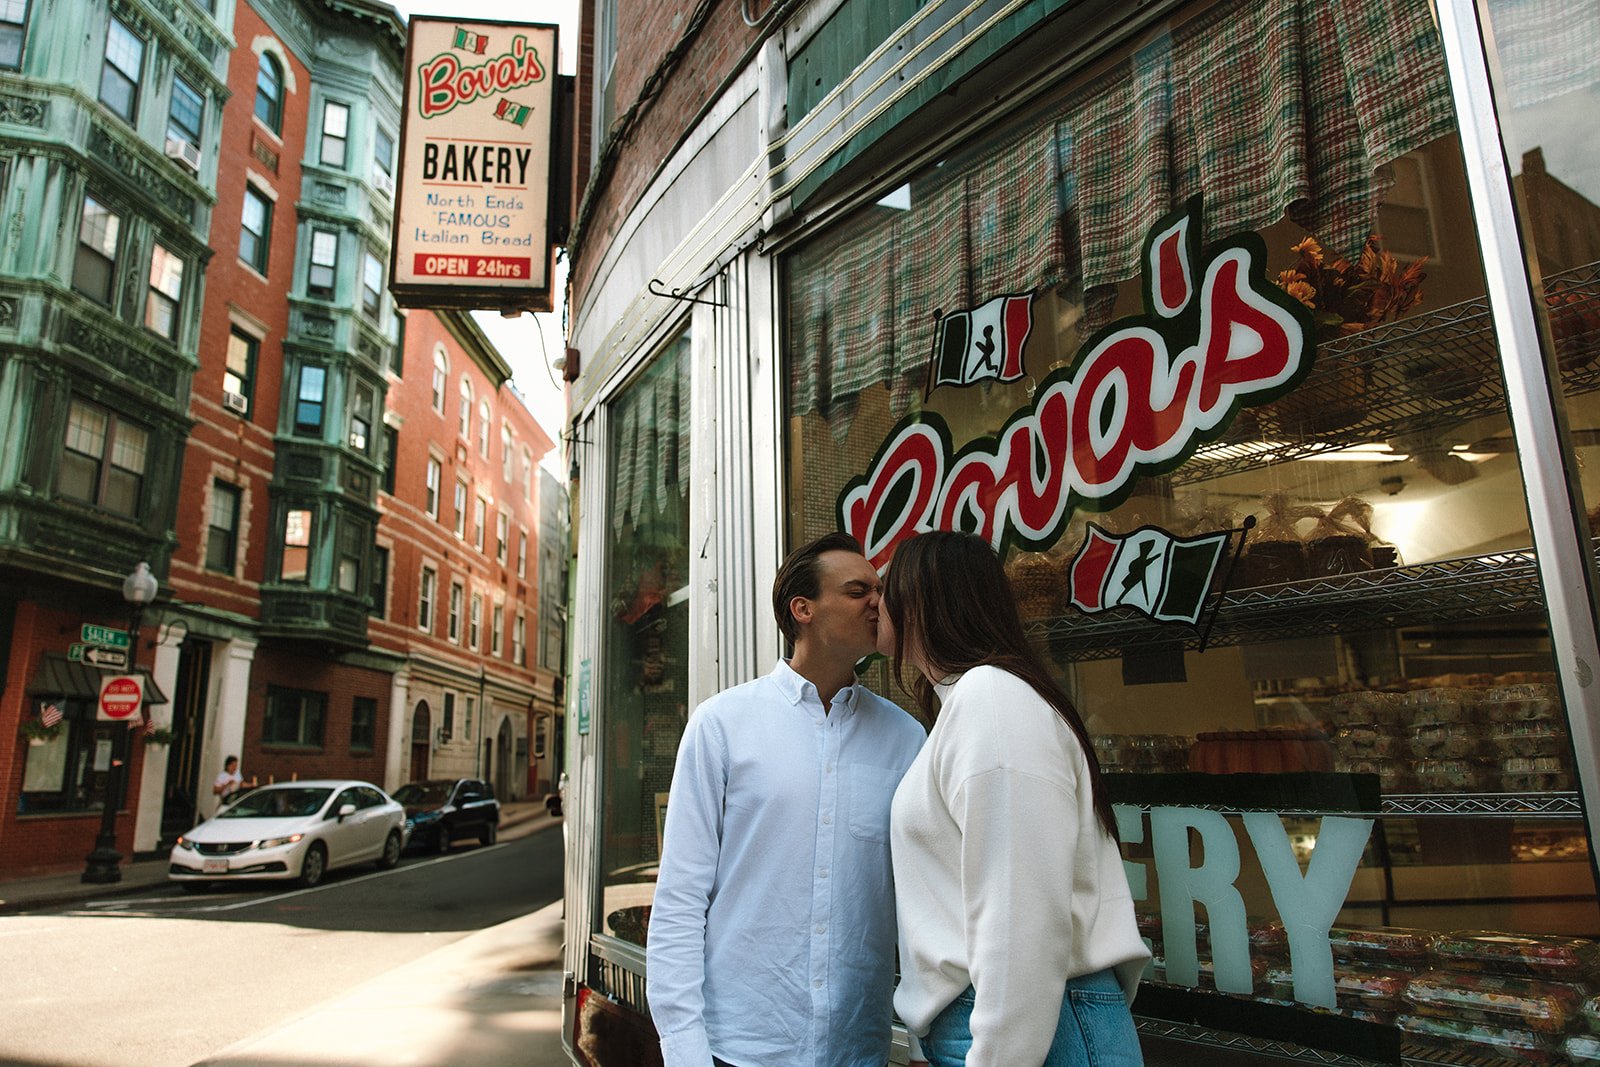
(472, 223)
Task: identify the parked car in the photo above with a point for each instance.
(292, 830)
(442, 810)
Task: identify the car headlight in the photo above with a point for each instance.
(274, 842)
(185, 843)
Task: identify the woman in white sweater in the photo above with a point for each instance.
(1018, 944)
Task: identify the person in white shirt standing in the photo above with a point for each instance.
(772, 932)
(1018, 944)
(229, 782)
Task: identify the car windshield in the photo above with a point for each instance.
(278, 804)
(424, 794)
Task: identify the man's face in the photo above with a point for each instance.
(844, 613)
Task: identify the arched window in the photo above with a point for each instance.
(269, 92)
(483, 429)
(466, 409)
(441, 371)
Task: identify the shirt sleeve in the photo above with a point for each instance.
(675, 955)
(1018, 838)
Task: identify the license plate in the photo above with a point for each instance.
(214, 866)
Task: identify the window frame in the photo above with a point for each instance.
(111, 68)
(441, 377)
(260, 256)
(158, 299)
(378, 583)
(484, 419)
(368, 720)
(228, 535)
(427, 592)
(301, 426)
(519, 640)
(497, 628)
(342, 139)
(175, 130)
(21, 30)
(431, 476)
(457, 601)
(328, 287)
(273, 118)
(522, 554)
(371, 293)
(502, 537)
(304, 700)
(100, 257)
(480, 518)
(475, 621)
(284, 544)
(391, 457)
(460, 500)
(105, 464)
(247, 381)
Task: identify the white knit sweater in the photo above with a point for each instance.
(1004, 878)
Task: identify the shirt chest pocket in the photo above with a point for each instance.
(871, 789)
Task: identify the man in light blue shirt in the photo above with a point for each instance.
(772, 934)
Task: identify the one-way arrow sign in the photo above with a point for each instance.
(114, 658)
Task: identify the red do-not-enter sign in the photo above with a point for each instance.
(120, 698)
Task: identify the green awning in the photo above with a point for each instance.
(58, 676)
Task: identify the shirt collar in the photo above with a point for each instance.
(794, 687)
(943, 688)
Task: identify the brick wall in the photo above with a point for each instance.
(288, 669)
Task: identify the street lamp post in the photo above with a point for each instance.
(105, 862)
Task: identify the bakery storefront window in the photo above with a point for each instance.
(646, 669)
(1201, 344)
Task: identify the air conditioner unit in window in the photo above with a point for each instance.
(184, 152)
(235, 402)
(383, 182)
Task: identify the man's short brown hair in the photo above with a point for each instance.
(798, 577)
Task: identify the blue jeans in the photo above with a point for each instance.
(1095, 1029)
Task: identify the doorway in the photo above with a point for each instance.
(502, 761)
(180, 807)
(421, 731)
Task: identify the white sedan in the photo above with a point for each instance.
(292, 830)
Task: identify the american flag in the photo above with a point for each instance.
(149, 724)
(49, 714)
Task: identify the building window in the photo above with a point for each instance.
(527, 475)
(522, 555)
(103, 460)
(13, 28)
(361, 418)
(186, 113)
(371, 285)
(550, 654)
(461, 510)
(506, 461)
(425, 591)
(324, 263)
(119, 74)
(464, 413)
(497, 628)
(96, 266)
(255, 228)
(397, 365)
(475, 621)
(502, 537)
(165, 294)
(222, 532)
(448, 729)
(431, 491)
(335, 134)
(353, 537)
(441, 371)
(383, 156)
(469, 716)
(294, 717)
(480, 519)
(483, 429)
(296, 566)
(269, 92)
(239, 376)
(391, 456)
(363, 723)
(378, 590)
(68, 773)
(519, 641)
(453, 620)
(309, 399)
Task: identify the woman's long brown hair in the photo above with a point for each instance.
(949, 599)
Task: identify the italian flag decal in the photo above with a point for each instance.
(470, 42)
(1149, 570)
(983, 343)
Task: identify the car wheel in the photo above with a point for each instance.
(441, 839)
(391, 852)
(314, 866)
(487, 835)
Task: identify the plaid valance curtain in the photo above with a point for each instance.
(1535, 67)
(1269, 109)
(650, 441)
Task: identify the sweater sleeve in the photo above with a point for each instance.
(1018, 838)
(676, 948)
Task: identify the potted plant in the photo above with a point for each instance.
(37, 733)
(161, 736)
(1345, 298)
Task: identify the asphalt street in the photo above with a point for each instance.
(168, 979)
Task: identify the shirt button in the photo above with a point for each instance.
(830, 768)
(816, 983)
(827, 820)
(822, 928)
(823, 873)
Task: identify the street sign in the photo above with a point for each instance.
(115, 659)
(104, 635)
(121, 697)
(584, 683)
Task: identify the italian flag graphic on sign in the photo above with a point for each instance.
(1149, 570)
(470, 42)
(983, 343)
(517, 113)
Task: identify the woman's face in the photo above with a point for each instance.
(886, 631)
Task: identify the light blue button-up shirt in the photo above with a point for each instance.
(772, 934)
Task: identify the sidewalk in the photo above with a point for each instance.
(147, 872)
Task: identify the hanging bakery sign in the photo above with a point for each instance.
(1139, 397)
(472, 212)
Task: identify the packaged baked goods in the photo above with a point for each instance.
(1568, 959)
(1498, 1000)
(1356, 987)
(1364, 709)
(1341, 541)
(1451, 775)
(1538, 782)
(1268, 940)
(1529, 737)
(1424, 707)
(1039, 583)
(1445, 741)
(1522, 1046)
(1356, 741)
(1517, 703)
(1394, 776)
(1590, 1013)
(1274, 551)
(1582, 1049)
(1533, 765)
(1392, 945)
